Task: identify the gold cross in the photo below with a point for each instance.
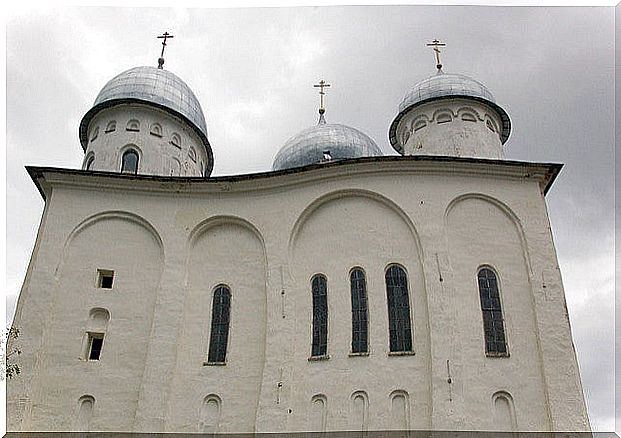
(165, 36)
(322, 84)
(436, 48)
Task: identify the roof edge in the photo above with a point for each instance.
(547, 172)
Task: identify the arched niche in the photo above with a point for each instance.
(399, 410)
(223, 250)
(315, 222)
(318, 413)
(359, 411)
(84, 413)
(504, 412)
(482, 231)
(127, 245)
(210, 414)
(334, 233)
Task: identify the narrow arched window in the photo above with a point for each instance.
(130, 162)
(359, 311)
(319, 286)
(111, 127)
(156, 130)
(95, 133)
(175, 140)
(220, 313)
(133, 125)
(399, 325)
(192, 154)
(493, 325)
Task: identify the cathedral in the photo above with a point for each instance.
(342, 290)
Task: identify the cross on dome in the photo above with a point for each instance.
(160, 61)
(321, 85)
(436, 44)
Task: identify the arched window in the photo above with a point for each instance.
(319, 286)
(490, 126)
(93, 341)
(359, 311)
(468, 117)
(89, 162)
(175, 140)
(111, 127)
(220, 314)
(156, 130)
(133, 125)
(192, 154)
(130, 162)
(399, 324)
(95, 133)
(444, 118)
(419, 125)
(493, 326)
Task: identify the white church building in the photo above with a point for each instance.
(343, 290)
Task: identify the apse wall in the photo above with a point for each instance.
(230, 252)
(481, 232)
(335, 234)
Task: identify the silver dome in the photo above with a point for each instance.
(448, 85)
(308, 146)
(152, 86)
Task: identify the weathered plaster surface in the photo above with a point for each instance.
(172, 242)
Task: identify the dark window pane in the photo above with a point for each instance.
(96, 345)
(399, 325)
(359, 311)
(106, 281)
(320, 315)
(219, 324)
(493, 326)
(130, 162)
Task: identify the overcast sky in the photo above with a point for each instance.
(253, 70)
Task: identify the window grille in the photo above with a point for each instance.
(219, 324)
(359, 311)
(493, 325)
(320, 315)
(399, 324)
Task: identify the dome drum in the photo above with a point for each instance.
(447, 86)
(451, 127)
(156, 88)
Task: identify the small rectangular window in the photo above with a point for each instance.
(95, 344)
(105, 278)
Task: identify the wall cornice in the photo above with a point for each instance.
(45, 178)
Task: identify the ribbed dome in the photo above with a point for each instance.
(308, 146)
(444, 86)
(154, 86)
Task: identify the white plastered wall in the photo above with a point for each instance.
(451, 127)
(164, 143)
(370, 215)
